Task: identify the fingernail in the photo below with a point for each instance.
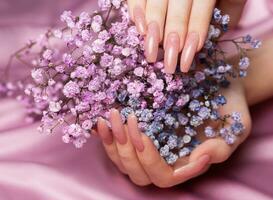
(117, 127)
(134, 133)
(189, 51)
(152, 42)
(171, 52)
(140, 21)
(105, 135)
(203, 161)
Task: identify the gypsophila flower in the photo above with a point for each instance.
(38, 75)
(244, 63)
(71, 89)
(99, 64)
(209, 132)
(54, 106)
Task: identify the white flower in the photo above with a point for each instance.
(54, 106)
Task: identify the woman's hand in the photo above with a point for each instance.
(135, 154)
(182, 26)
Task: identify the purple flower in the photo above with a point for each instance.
(54, 106)
(80, 72)
(244, 63)
(106, 60)
(98, 46)
(135, 88)
(68, 18)
(71, 89)
(104, 4)
(96, 24)
(68, 59)
(38, 75)
(139, 71)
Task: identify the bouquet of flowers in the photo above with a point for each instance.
(96, 62)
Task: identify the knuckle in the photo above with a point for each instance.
(177, 19)
(150, 163)
(125, 157)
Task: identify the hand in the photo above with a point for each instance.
(135, 154)
(182, 23)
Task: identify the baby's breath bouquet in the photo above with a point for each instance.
(96, 62)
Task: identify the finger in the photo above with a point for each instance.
(109, 144)
(137, 11)
(159, 172)
(197, 31)
(131, 163)
(217, 148)
(191, 170)
(104, 132)
(175, 31)
(134, 133)
(234, 8)
(117, 127)
(155, 18)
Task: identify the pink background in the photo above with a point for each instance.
(38, 167)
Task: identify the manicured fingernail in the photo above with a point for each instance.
(192, 167)
(134, 133)
(140, 21)
(189, 51)
(105, 133)
(171, 52)
(152, 42)
(117, 127)
(205, 159)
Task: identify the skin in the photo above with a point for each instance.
(144, 165)
(181, 26)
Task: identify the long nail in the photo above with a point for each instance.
(104, 131)
(195, 166)
(117, 127)
(171, 52)
(140, 21)
(134, 133)
(189, 51)
(205, 159)
(152, 42)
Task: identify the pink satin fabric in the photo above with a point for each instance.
(39, 167)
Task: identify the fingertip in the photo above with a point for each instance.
(216, 148)
(171, 52)
(193, 168)
(152, 42)
(189, 51)
(118, 126)
(104, 132)
(134, 133)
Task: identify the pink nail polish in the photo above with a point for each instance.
(152, 41)
(105, 133)
(117, 127)
(189, 51)
(205, 159)
(140, 21)
(134, 133)
(193, 167)
(171, 52)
